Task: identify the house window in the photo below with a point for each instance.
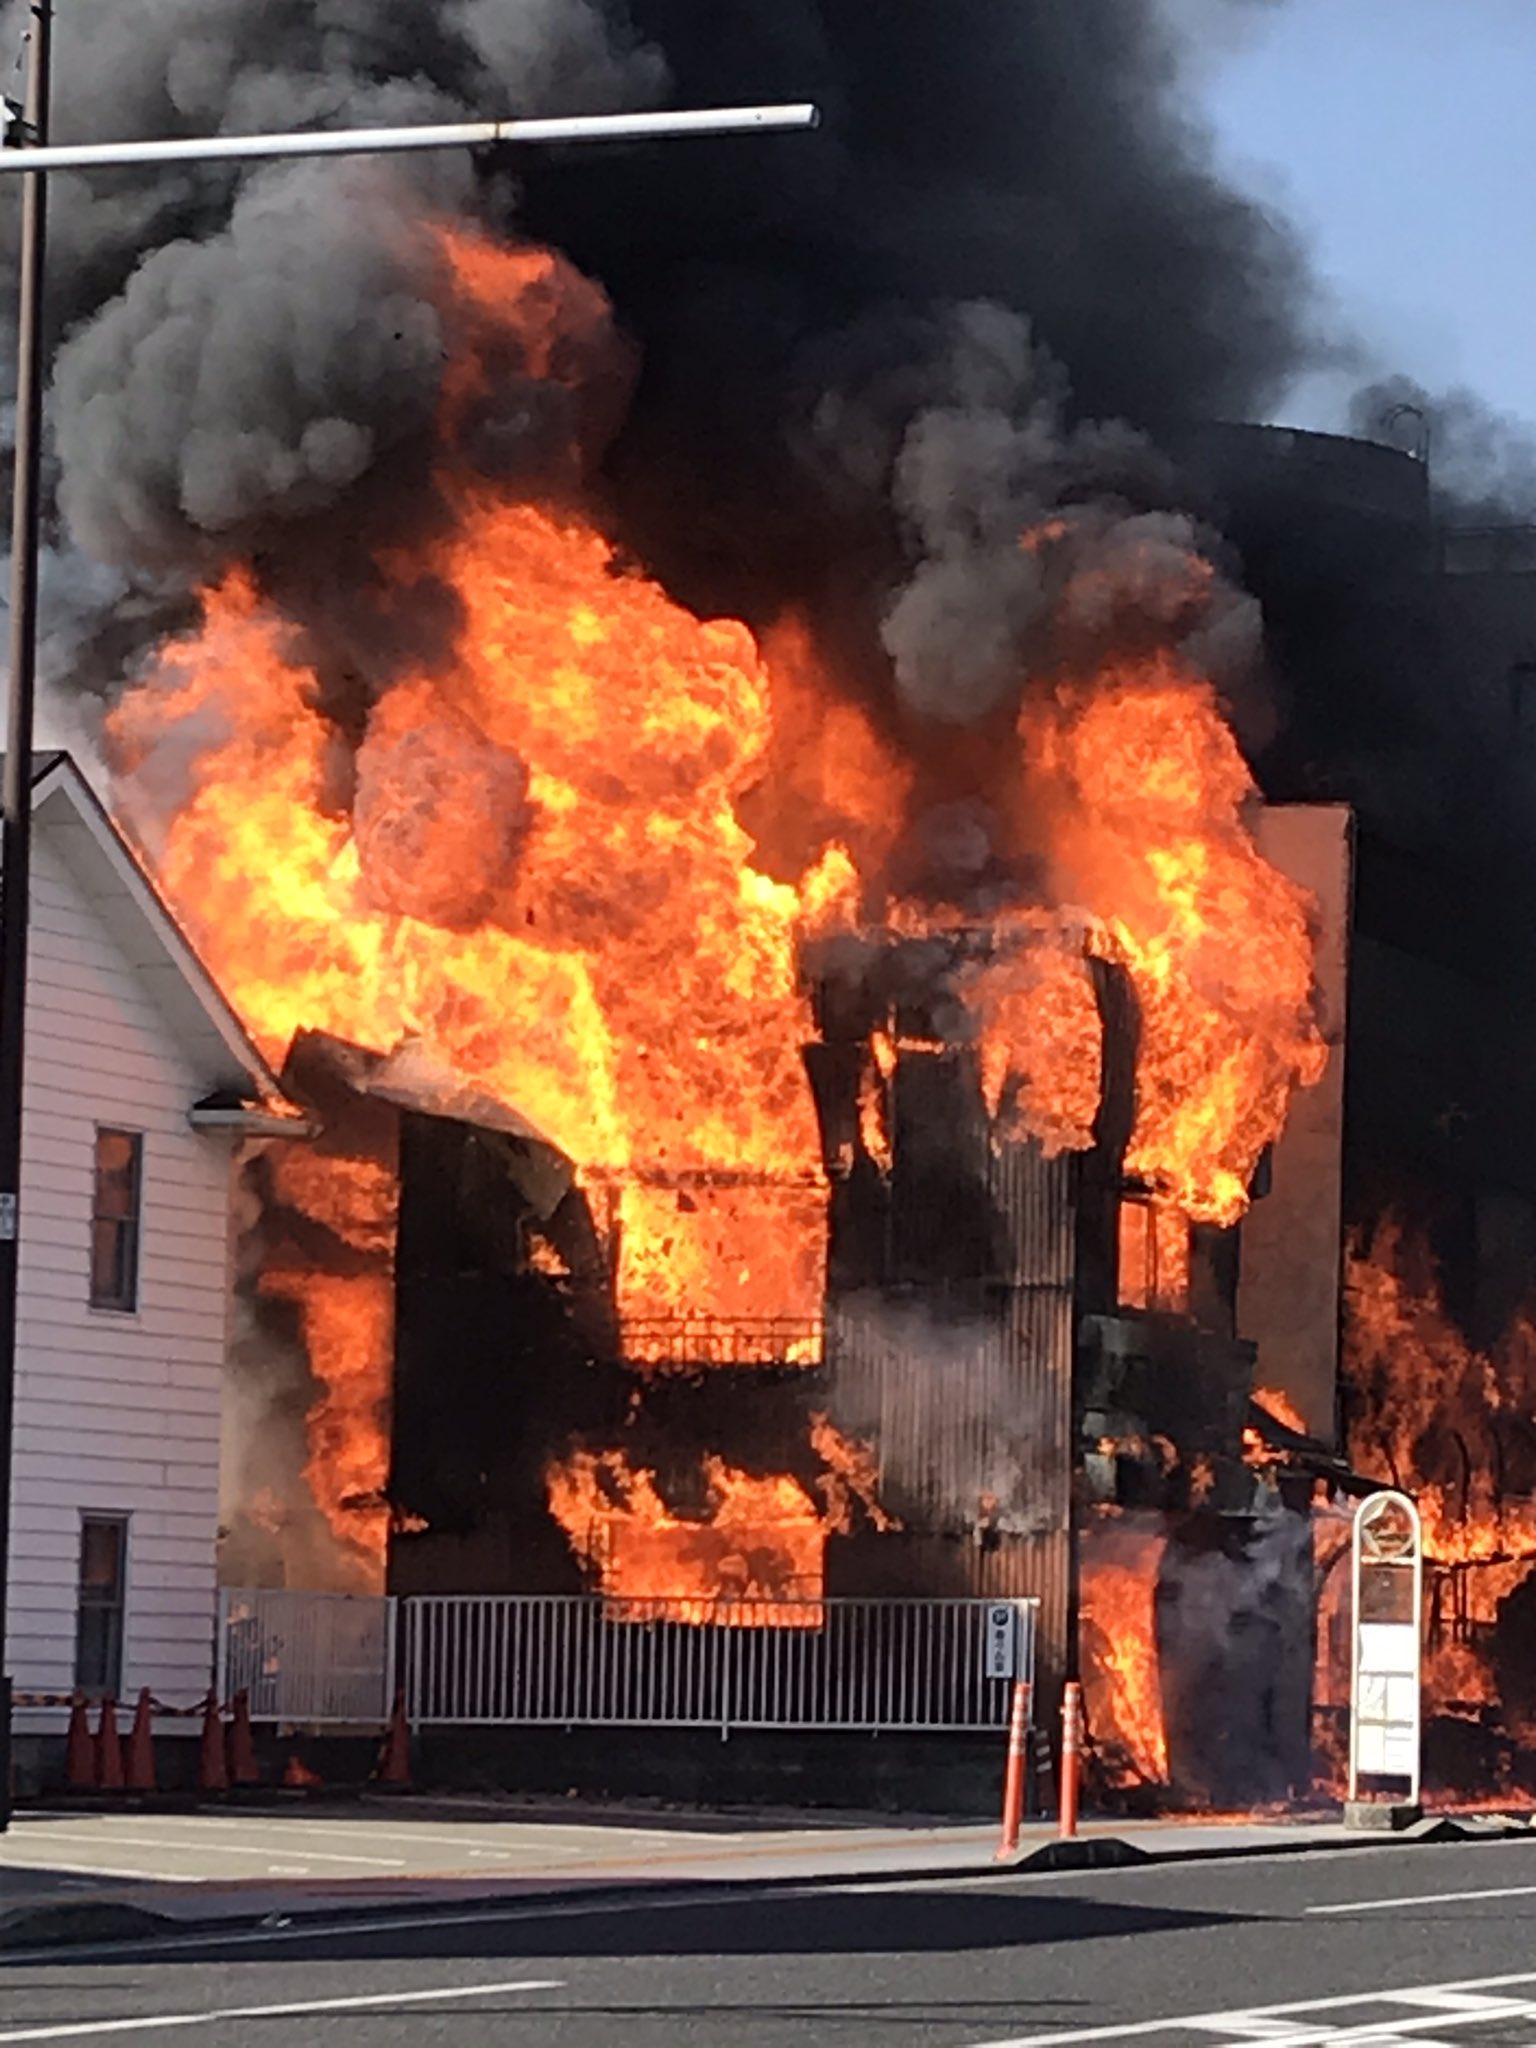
(1154, 1256)
(99, 1605)
(115, 1220)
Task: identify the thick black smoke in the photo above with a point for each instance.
(244, 351)
(1029, 154)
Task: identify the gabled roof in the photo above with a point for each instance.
(67, 809)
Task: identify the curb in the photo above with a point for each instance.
(1086, 1852)
(1113, 1852)
(83, 1922)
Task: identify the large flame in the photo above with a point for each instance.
(346, 1323)
(1145, 791)
(541, 863)
(1121, 1671)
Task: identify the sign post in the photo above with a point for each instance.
(1008, 1652)
(1387, 1634)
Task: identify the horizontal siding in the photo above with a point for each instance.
(115, 1414)
(94, 1409)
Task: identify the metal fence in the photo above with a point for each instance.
(578, 1660)
(310, 1659)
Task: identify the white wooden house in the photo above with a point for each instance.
(139, 1083)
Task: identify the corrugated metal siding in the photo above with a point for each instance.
(966, 1395)
(1035, 1195)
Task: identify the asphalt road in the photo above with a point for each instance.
(1381, 1948)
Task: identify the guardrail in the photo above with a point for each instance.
(580, 1660)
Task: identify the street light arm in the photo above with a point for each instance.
(79, 156)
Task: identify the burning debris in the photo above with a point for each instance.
(1454, 1426)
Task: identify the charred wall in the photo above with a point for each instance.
(494, 1364)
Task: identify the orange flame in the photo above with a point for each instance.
(1121, 1677)
(546, 867)
(1282, 1408)
(347, 1325)
(1144, 792)
(757, 1538)
(853, 1474)
(1041, 1057)
(1436, 1417)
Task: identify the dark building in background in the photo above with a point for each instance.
(1404, 669)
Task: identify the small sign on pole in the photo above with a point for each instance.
(1385, 1723)
(1000, 1652)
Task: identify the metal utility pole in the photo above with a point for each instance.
(16, 789)
(27, 153)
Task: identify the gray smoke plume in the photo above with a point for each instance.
(1028, 534)
(241, 349)
(253, 376)
(1482, 463)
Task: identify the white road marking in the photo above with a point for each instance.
(367, 1831)
(1238, 2022)
(77, 2030)
(1500, 1891)
(134, 1876)
(175, 1847)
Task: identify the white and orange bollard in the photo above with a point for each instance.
(1071, 1757)
(1013, 1781)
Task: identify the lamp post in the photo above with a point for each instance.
(31, 157)
(16, 792)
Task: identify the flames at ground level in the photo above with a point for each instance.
(1428, 1413)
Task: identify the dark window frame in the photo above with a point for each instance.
(117, 1225)
(101, 1609)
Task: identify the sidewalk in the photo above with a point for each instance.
(80, 1874)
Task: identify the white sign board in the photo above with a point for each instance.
(1385, 1723)
(1000, 1651)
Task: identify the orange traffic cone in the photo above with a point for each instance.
(109, 1749)
(211, 1773)
(394, 1765)
(80, 1751)
(296, 1778)
(242, 1743)
(141, 1746)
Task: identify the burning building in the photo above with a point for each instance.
(783, 798)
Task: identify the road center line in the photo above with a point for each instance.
(1500, 1891)
(77, 2030)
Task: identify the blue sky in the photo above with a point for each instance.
(1401, 134)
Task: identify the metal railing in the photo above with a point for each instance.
(310, 1659)
(579, 1660)
(721, 1340)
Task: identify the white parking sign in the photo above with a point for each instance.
(1001, 1651)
